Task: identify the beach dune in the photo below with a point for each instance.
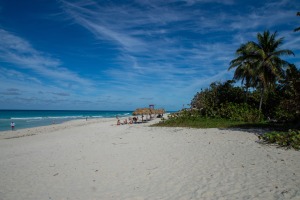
(97, 159)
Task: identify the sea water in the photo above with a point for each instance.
(35, 118)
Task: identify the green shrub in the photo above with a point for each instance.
(240, 112)
(285, 139)
(284, 115)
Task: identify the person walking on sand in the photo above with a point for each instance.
(12, 124)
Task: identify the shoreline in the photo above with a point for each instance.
(40, 129)
(34, 118)
(72, 123)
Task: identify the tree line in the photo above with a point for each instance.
(270, 85)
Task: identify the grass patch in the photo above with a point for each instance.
(202, 122)
(198, 122)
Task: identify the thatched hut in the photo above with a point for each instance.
(142, 111)
(160, 112)
(148, 111)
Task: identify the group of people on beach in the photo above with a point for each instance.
(130, 120)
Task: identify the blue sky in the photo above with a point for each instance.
(120, 55)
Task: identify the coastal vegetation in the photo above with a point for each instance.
(286, 139)
(268, 96)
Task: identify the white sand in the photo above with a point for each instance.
(99, 160)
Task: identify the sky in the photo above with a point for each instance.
(121, 55)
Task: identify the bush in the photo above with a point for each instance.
(286, 139)
(177, 120)
(287, 112)
(240, 112)
(284, 115)
(210, 99)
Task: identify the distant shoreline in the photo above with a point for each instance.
(35, 118)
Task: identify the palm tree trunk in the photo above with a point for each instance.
(261, 100)
(247, 93)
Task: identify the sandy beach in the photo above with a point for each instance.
(96, 159)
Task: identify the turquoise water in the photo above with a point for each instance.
(34, 118)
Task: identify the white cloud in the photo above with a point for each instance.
(13, 74)
(18, 51)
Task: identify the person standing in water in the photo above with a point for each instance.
(12, 124)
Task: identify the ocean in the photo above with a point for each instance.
(34, 118)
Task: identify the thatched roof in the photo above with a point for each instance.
(148, 111)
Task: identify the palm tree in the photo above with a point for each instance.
(244, 69)
(269, 67)
(264, 59)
